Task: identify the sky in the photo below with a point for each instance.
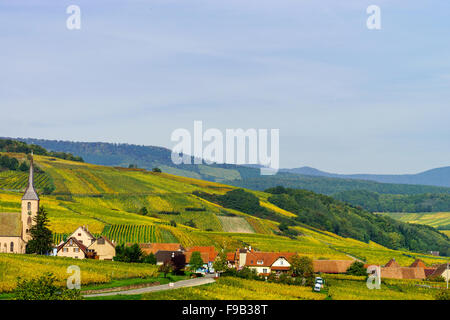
(346, 99)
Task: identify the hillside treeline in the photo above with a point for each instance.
(375, 202)
(330, 186)
(8, 145)
(326, 213)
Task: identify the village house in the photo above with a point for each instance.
(208, 254)
(14, 226)
(265, 263)
(72, 248)
(82, 244)
(331, 266)
(164, 256)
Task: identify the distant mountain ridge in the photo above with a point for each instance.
(435, 177)
(148, 157)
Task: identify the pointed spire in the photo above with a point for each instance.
(30, 192)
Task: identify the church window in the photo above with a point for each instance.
(29, 206)
(29, 220)
(101, 241)
(11, 247)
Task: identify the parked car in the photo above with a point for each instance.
(317, 287)
(319, 280)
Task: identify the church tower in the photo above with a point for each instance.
(30, 205)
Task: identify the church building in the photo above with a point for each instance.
(14, 226)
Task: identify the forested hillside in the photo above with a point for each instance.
(330, 186)
(376, 202)
(328, 214)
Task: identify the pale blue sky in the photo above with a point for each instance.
(346, 99)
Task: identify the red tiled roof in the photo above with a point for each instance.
(148, 248)
(392, 264)
(266, 259)
(210, 250)
(418, 264)
(204, 255)
(75, 241)
(231, 256)
(429, 271)
(332, 266)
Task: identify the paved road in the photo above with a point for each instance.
(179, 284)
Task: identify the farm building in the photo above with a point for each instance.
(208, 254)
(331, 266)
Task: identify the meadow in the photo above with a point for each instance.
(92, 271)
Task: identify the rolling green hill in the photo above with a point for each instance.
(148, 157)
(109, 200)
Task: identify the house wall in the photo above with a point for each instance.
(71, 253)
(281, 262)
(18, 247)
(260, 270)
(81, 235)
(104, 251)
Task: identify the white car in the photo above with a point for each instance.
(317, 287)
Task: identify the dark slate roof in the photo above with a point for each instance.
(10, 224)
(30, 192)
(163, 255)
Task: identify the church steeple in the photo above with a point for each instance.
(30, 192)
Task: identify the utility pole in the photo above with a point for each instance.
(448, 275)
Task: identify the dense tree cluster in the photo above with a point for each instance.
(328, 214)
(8, 145)
(376, 202)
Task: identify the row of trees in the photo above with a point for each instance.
(376, 202)
(8, 145)
(8, 163)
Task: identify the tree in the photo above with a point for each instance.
(178, 263)
(41, 236)
(149, 258)
(129, 254)
(143, 211)
(221, 264)
(190, 223)
(23, 167)
(43, 288)
(157, 170)
(165, 268)
(196, 261)
(302, 267)
(357, 269)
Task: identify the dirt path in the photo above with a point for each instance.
(179, 284)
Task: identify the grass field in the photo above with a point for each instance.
(435, 219)
(92, 271)
(228, 288)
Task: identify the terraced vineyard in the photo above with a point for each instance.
(16, 180)
(137, 234)
(109, 200)
(434, 219)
